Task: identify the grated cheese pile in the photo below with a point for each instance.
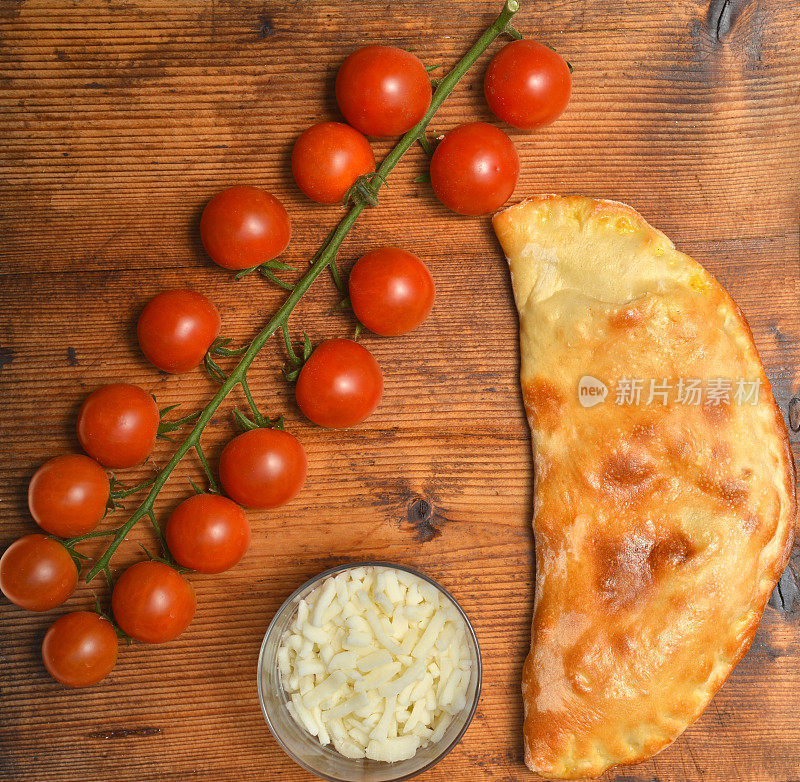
(376, 662)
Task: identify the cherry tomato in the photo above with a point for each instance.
(80, 649)
(176, 329)
(527, 84)
(340, 385)
(152, 602)
(67, 495)
(37, 573)
(474, 169)
(117, 425)
(328, 158)
(263, 468)
(383, 90)
(391, 291)
(244, 226)
(208, 533)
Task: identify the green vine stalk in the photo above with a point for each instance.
(365, 194)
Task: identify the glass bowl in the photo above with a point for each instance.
(326, 762)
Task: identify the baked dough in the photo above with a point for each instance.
(661, 526)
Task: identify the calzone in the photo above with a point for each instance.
(664, 500)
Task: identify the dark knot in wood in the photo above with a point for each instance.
(419, 510)
(6, 357)
(265, 27)
(424, 522)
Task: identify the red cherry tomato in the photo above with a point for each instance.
(80, 649)
(391, 291)
(244, 226)
(474, 169)
(383, 90)
(527, 84)
(117, 425)
(67, 495)
(263, 468)
(208, 533)
(152, 602)
(328, 158)
(37, 573)
(176, 329)
(340, 385)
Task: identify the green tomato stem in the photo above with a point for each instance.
(71, 542)
(257, 417)
(324, 258)
(121, 494)
(212, 481)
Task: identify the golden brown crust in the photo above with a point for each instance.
(661, 528)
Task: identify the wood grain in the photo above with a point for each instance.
(119, 120)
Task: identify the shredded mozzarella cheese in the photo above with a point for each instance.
(376, 662)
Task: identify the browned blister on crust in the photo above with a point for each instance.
(661, 526)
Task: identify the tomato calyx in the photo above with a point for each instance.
(268, 269)
(219, 348)
(167, 559)
(346, 304)
(296, 362)
(434, 82)
(166, 427)
(258, 420)
(553, 49)
(76, 556)
(246, 424)
(119, 491)
(108, 616)
(429, 147)
(195, 488)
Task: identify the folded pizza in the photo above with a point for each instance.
(664, 500)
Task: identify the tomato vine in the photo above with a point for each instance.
(366, 194)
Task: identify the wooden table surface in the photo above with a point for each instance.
(119, 119)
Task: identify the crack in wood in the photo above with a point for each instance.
(722, 15)
(785, 593)
(124, 733)
(720, 20)
(794, 414)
